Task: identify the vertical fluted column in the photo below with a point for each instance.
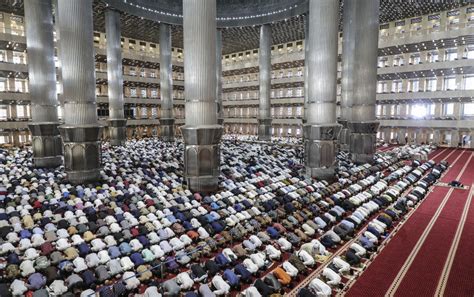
(401, 134)
(455, 138)
(81, 130)
(347, 91)
(321, 129)
(265, 70)
(347, 86)
(306, 53)
(46, 141)
(436, 137)
(419, 136)
(361, 27)
(117, 121)
(220, 110)
(58, 51)
(201, 133)
(471, 139)
(166, 84)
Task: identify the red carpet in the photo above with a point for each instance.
(422, 277)
(386, 148)
(461, 278)
(439, 156)
(456, 168)
(379, 275)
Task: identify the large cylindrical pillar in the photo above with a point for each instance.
(81, 130)
(265, 76)
(321, 129)
(166, 84)
(436, 137)
(201, 133)
(47, 145)
(220, 109)
(347, 83)
(117, 121)
(359, 83)
(305, 74)
(401, 136)
(455, 139)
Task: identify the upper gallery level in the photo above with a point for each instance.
(424, 33)
(435, 31)
(12, 37)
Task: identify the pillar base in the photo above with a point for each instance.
(167, 129)
(344, 136)
(47, 145)
(320, 150)
(82, 153)
(362, 141)
(117, 132)
(202, 157)
(265, 129)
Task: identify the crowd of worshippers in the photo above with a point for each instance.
(391, 204)
(140, 231)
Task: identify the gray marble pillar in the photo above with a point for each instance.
(46, 140)
(306, 53)
(347, 89)
(321, 129)
(436, 137)
(265, 76)
(419, 136)
(455, 138)
(201, 132)
(81, 130)
(220, 109)
(359, 82)
(117, 121)
(401, 134)
(166, 84)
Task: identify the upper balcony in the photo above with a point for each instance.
(419, 123)
(435, 95)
